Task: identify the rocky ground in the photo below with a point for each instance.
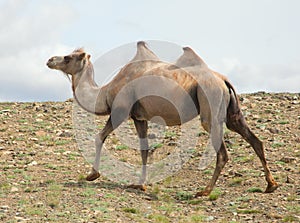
(42, 169)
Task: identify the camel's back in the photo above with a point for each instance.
(156, 69)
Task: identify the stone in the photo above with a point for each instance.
(210, 218)
(273, 130)
(287, 159)
(65, 133)
(33, 163)
(14, 189)
(40, 133)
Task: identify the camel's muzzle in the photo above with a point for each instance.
(51, 63)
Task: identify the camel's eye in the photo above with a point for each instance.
(67, 59)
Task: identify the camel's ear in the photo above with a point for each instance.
(81, 56)
(88, 56)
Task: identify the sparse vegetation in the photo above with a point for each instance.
(42, 171)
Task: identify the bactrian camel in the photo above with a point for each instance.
(147, 87)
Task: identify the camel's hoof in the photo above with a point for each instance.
(138, 187)
(93, 175)
(271, 188)
(202, 193)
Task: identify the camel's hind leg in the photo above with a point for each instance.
(237, 123)
(222, 159)
(141, 128)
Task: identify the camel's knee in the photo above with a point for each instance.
(225, 159)
(222, 157)
(99, 139)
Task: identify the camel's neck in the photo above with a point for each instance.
(86, 92)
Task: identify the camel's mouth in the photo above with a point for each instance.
(51, 63)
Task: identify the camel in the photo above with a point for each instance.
(147, 87)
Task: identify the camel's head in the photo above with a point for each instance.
(70, 64)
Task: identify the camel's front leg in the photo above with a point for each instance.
(118, 115)
(99, 140)
(141, 128)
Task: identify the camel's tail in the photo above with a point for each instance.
(234, 104)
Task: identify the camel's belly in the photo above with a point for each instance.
(165, 111)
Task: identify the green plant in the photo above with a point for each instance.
(290, 218)
(40, 211)
(22, 120)
(235, 181)
(248, 211)
(198, 218)
(202, 133)
(51, 166)
(156, 145)
(184, 196)
(53, 195)
(159, 218)
(17, 170)
(103, 209)
(72, 156)
(214, 195)
(277, 144)
(283, 122)
(245, 199)
(170, 134)
(61, 142)
(244, 159)
(81, 178)
(156, 190)
(207, 171)
(255, 190)
(279, 162)
(45, 138)
(130, 210)
(121, 147)
(168, 180)
(292, 197)
(27, 178)
(88, 192)
(195, 201)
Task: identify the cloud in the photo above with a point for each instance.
(33, 31)
(29, 35)
(25, 77)
(267, 77)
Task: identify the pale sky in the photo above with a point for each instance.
(253, 42)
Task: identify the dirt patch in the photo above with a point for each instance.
(42, 170)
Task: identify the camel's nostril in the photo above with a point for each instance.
(50, 62)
